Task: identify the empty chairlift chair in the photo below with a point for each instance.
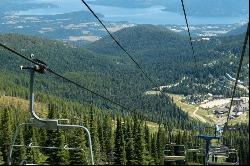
(195, 155)
(223, 156)
(48, 124)
(233, 157)
(174, 154)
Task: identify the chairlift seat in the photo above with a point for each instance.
(221, 163)
(193, 150)
(175, 158)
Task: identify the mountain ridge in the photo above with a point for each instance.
(167, 51)
(138, 37)
(207, 8)
(237, 31)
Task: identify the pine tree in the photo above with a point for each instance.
(20, 153)
(62, 154)
(120, 153)
(148, 144)
(154, 149)
(147, 137)
(77, 140)
(51, 141)
(1, 158)
(6, 133)
(161, 141)
(56, 138)
(139, 145)
(103, 151)
(107, 133)
(34, 154)
(129, 143)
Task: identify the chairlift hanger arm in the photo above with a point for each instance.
(37, 68)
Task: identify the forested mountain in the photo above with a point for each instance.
(167, 56)
(109, 76)
(107, 70)
(141, 38)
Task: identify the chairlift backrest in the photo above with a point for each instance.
(174, 150)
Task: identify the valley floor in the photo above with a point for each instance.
(205, 111)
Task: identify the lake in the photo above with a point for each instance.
(153, 15)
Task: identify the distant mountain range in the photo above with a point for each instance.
(208, 8)
(237, 31)
(80, 27)
(194, 7)
(9, 6)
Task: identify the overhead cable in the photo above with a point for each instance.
(66, 79)
(189, 34)
(117, 42)
(238, 72)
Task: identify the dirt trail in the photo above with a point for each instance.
(198, 116)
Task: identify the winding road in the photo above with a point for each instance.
(198, 116)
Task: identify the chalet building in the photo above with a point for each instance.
(237, 101)
(220, 111)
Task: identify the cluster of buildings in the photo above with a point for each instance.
(239, 107)
(200, 99)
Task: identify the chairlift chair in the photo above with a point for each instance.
(48, 124)
(174, 153)
(194, 149)
(223, 156)
(198, 151)
(201, 152)
(233, 157)
(196, 155)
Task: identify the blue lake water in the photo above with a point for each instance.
(152, 15)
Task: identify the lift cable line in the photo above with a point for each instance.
(189, 34)
(68, 80)
(17, 53)
(238, 72)
(91, 91)
(153, 82)
(117, 42)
